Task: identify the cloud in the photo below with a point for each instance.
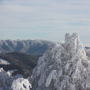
(46, 16)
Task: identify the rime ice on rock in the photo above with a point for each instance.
(64, 67)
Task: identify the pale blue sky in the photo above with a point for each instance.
(44, 19)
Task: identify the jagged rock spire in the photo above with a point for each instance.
(64, 67)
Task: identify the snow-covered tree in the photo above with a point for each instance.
(5, 80)
(8, 82)
(63, 67)
(21, 84)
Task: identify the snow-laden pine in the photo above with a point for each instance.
(5, 80)
(20, 84)
(8, 82)
(63, 67)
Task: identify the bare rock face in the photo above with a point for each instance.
(64, 67)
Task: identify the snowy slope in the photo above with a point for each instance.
(2, 61)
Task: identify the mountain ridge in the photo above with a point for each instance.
(33, 47)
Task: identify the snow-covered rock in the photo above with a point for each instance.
(64, 67)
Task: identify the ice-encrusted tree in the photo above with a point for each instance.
(63, 67)
(8, 82)
(5, 80)
(21, 84)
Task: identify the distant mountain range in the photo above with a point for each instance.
(22, 55)
(32, 47)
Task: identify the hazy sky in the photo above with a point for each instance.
(44, 19)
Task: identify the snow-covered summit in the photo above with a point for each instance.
(64, 67)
